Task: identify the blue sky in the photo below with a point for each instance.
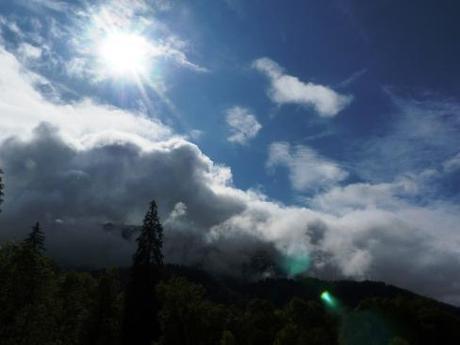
(377, 53)
(342, 113)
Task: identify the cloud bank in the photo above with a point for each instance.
(358, 231)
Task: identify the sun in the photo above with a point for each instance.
(124, 54)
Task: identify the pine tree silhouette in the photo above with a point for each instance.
(150, 241)
(140, 323)
(36, 238)
(2, 186)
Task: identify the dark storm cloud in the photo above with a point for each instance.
(75, 192)
(107, 183)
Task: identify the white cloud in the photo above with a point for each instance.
(285, 88)
(358, 196)
(242, 124)
(170, 49)
(307, 169)
(28, 51)
(22, 108)
(196, 134)
(395, 245)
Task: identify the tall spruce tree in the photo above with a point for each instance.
(150, 241)
(2, 186)
(36, 238)
(140, 322)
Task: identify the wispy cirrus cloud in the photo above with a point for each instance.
(422, 134)
(242, 124)
(288, 89)
(452, 164)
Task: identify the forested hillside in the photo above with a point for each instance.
(154, 303)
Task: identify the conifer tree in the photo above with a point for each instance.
(150, 241)
(36, 238)
(140, 324)
(29, 309)
(2, 186)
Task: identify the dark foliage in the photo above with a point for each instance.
(141, 325)
(173, 305)
(2, 187)
(36, 239)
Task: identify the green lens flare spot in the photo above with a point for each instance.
(296, 264)
(328, 299)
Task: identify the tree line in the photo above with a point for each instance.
(154, 304)
(39, 304)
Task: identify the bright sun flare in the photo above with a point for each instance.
(124, 54)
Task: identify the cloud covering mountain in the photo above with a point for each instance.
(77, 166)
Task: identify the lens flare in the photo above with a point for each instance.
(328, 299)
(124, 54)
